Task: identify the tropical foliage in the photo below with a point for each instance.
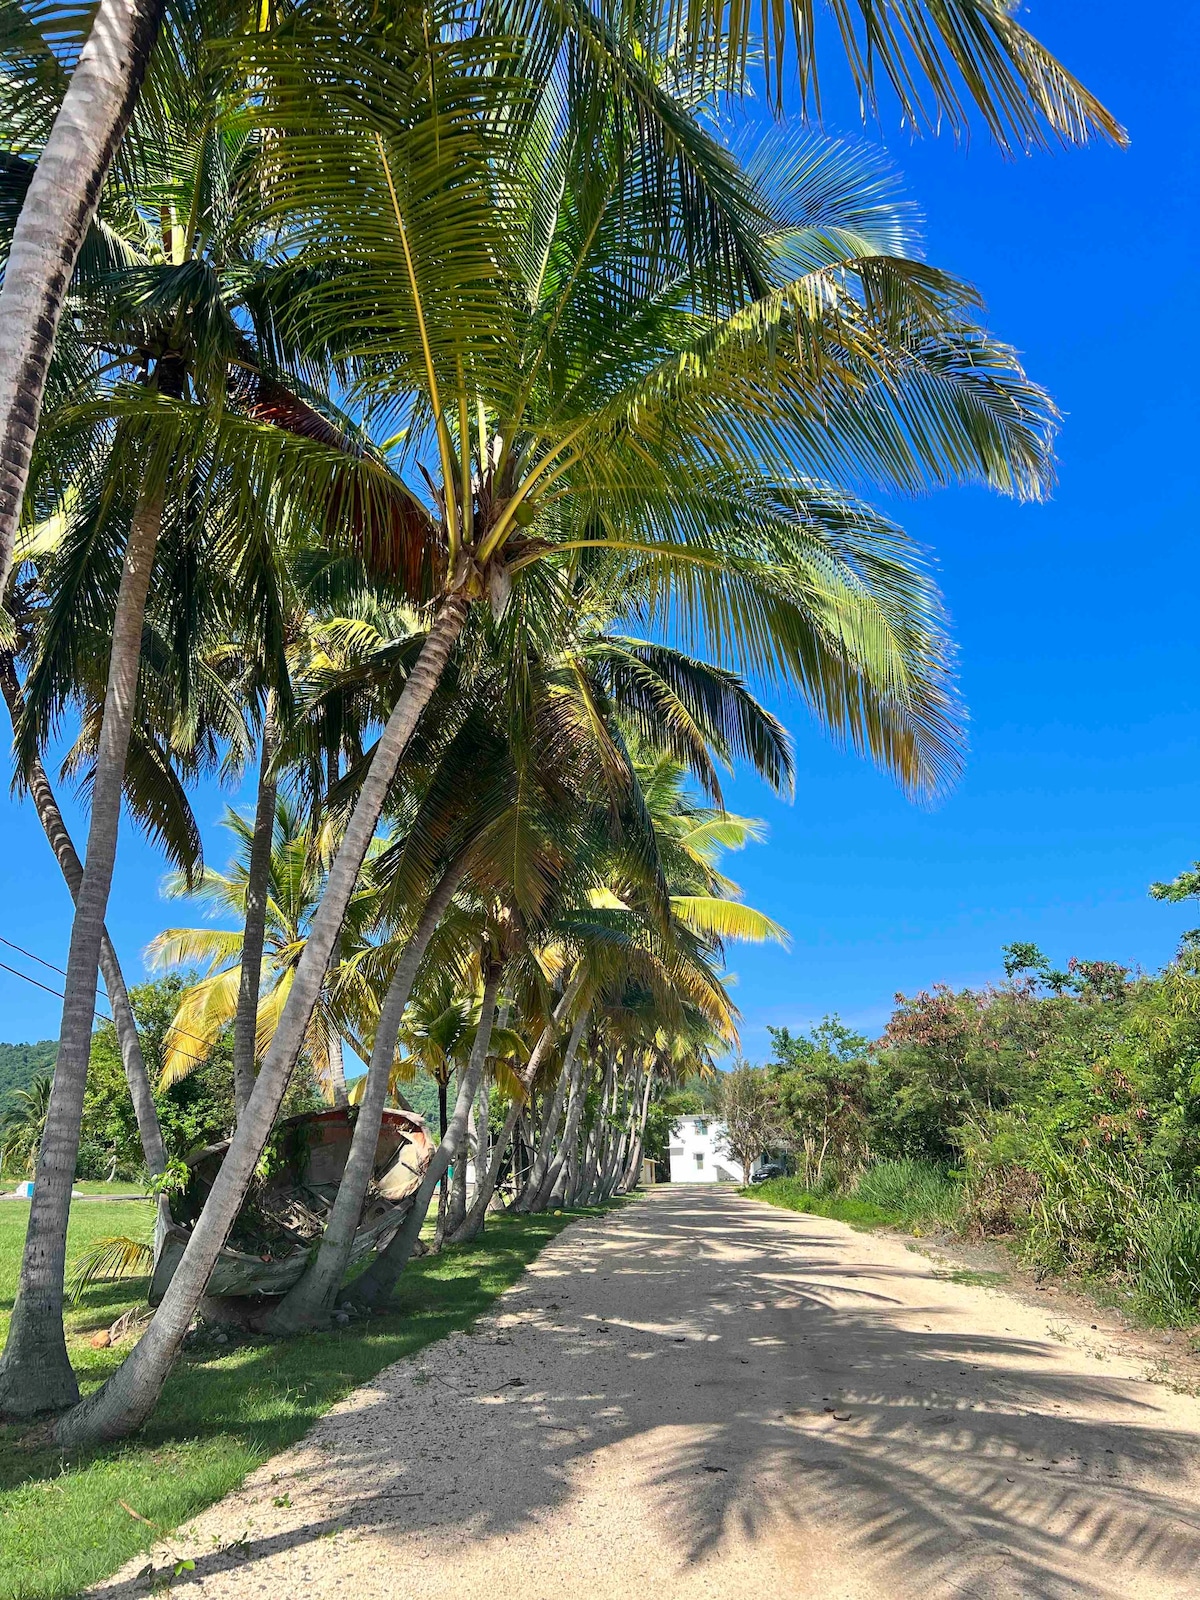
(451, 424)
(1059, 1109)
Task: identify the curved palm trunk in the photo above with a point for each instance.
(309, 1301)
(129, 1396)
(245, 1023)
(56, 213)
(55, 828)
(553, 1185)
(35, 1372)
(378, 1281)
(485, 1187)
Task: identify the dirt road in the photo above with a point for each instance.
(705, 1396)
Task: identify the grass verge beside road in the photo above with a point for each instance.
(62, 1525)
(914, 1195)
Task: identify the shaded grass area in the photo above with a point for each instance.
(61, 1522)
(915, 1195)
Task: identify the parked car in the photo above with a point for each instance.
(769, 1169)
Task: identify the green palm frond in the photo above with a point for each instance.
(726, 919)
(115, 1256)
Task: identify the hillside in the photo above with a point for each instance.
(21, 1063)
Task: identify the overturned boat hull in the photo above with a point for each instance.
(291, 1204)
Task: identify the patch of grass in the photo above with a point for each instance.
(892, 1194)
(105, 1301)
(919, 1193)
(791, 1194)
(1165, 1241)
(973, 1278)
(61, 1523)
(92, 1187)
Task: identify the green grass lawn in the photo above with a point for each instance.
(61, 1522)
(94, 1186)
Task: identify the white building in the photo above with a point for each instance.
(699, 1154)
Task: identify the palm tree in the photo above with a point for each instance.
(171, 341)
(207, 1008)
(23, 1125)
(505, 288)
(936, 62)
(58, 836)
(74, 153)
(175, 293)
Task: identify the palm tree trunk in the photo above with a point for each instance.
(56, 213)
(482, 1155)
(129, 1396)
(55, 828)
(245, 1023)
(456, 1204)
(553, 1185)
(545, 1147)
(633, 1173)
(378, 1281)
(595, 1142)
(309, 1301)
(35, 1372)
(486, 1185)
(337, 1069)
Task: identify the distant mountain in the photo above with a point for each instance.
(20, 1064)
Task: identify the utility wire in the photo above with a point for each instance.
(182, 1032)
(198, 1061)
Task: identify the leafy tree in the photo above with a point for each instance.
(823, 1085)
(21, 1063)
(749, 1108)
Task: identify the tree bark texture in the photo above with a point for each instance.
(55, 215)
(486, 1185)
(316, 1292)
(35, 1372)
(378, 1281)
(258, 885)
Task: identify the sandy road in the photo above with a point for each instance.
(705, 1396)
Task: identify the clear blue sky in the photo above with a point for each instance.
(1074, 619)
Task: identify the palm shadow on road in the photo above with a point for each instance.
(785, 1397)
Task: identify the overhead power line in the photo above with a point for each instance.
(103, 1016)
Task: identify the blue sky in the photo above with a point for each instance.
(1074, 618)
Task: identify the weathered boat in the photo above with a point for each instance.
(284, 1213)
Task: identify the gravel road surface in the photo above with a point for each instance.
(702, 1395)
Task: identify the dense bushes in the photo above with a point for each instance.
(1060, 1109)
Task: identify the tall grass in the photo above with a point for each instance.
(900, 1194)
(1165, 1243)
(1074, 1211)
(917, 1193)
